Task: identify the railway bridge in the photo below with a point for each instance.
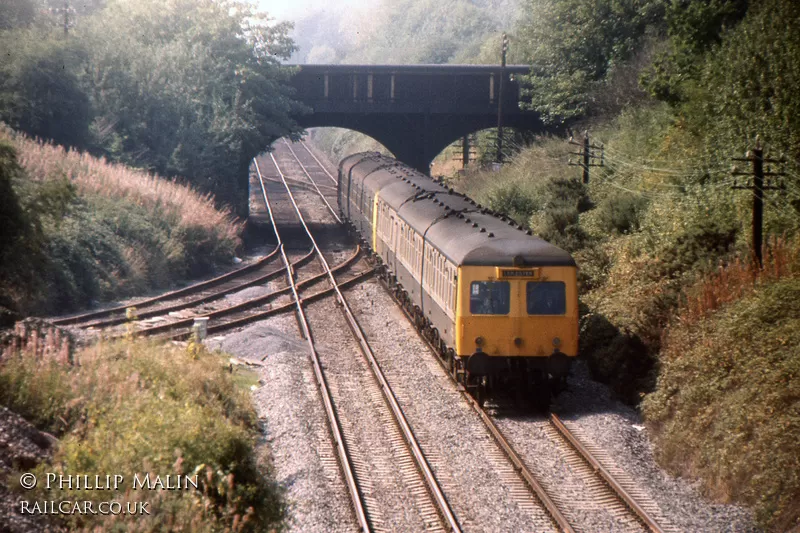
(414, 110)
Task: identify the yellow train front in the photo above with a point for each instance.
(500, 304)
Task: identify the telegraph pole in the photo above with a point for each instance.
(588, 154)
(504, 49)
(756, 158)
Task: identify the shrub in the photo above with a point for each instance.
(620, 212)
(97, 231)
(558, 221)
(141, 407)
(20, 237)
(726, 407)
(512, 201)
(700, 244)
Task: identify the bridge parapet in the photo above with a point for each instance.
(408, 88)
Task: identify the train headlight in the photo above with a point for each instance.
(556, 342)
(479, 341)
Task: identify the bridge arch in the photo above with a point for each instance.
(415, 111)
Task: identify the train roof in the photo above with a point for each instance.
(462, 230)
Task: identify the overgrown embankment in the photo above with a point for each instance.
(137, 408)
(726, 405)
(77, 229)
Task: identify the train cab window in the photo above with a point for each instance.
(546, 297)
(490, 298)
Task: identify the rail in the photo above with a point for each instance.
(419, 457)
(348, 470)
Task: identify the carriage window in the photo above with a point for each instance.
(546, 298)
(490, 298)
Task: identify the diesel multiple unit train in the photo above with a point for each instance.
(500, 304)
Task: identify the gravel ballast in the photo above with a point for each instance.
(305, 463)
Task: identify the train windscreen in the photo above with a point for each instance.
(490, 298)
(546, 298)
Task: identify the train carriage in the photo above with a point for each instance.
(500, 303)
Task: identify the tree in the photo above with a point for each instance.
(190, 87)
(693, 27)
(748, 85)
(16, 14)
(572, 45)
(41, 87)
(426, 31)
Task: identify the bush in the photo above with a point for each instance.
(617, 357)
(558, 221)
(699, 245)
(510, 200)
(20, 238)
(620, 213)
(726, 407)
(141, 407)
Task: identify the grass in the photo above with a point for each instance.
(100, 231)
(139, 407)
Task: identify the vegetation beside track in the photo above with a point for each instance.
(77, 229)
(190, 88)
(726, 405)
(138, 407)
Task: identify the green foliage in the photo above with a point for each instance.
(145, 408)
(191, 89)
(338, 143)
(39, 393)
(573, 45)
(510, 200)
(558, 219)
(20, 237)
(620, 212)
(699, 245)
(426, 31)
(16, 13)
(748, 85)
(69, 239)
(726, 407)
(179, 87)
(693, 26)
(41, 86)
(616, 356)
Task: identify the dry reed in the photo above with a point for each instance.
(45, 161)
(739, 278)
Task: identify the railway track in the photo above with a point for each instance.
(606, 487)
(407, 469)
(175, 320)
(236, 278)
(610, 491)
